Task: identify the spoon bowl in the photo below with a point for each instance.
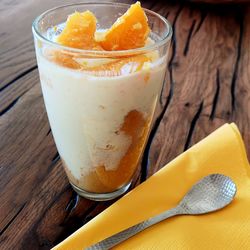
(212, 193)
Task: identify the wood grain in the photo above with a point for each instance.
(207, 85)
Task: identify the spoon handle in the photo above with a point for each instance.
(131, 231)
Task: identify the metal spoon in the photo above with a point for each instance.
(211, 193)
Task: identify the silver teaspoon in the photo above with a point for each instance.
(211, 193)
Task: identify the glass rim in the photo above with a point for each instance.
(112, 53)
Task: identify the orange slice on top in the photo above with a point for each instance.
(79, 31)
(128, 32)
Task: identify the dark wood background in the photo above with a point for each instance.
(208, 84)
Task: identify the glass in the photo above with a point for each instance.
(100, 118)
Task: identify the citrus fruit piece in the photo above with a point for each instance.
(124, 66)
(62, 58)
(136, 127)
(128, 32)
(79, 31)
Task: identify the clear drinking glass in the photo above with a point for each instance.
(100, 118)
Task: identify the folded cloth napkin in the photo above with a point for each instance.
(221, 152)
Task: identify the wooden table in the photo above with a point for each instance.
(208, 85)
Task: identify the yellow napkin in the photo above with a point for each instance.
(221, 152)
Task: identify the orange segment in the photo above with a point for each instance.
(119, 67)
(128, 32)
(79, 31)
(137, 128)
(63, 59)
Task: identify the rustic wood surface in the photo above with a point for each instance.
(208, 84)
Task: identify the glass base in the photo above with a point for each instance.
(101, 197)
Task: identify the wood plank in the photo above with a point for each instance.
(201, 78)
(207, 85)
(26, 152)
(241, 106)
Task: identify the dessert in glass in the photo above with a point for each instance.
(102, 68)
